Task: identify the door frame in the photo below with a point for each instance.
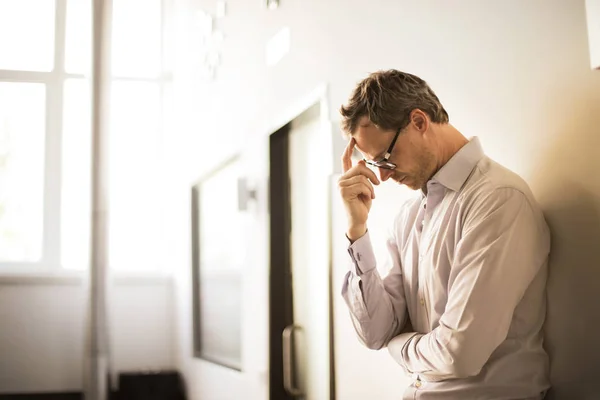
(280, 312)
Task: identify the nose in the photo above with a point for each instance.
(385, 174)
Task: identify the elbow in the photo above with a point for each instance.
(462, 367)
(374, 335)
(373, 342)
(463, 370)
(469, 359)
(376, 339)
(460, 355)
(369, 336)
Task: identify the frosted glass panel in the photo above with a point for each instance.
(310, 252)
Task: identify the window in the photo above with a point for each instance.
(22, 116)
(27, 38)
(45, 134)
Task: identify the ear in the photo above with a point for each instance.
(420, 120)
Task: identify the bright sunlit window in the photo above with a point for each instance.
(27, 38)
(45, 134)
(22, 120)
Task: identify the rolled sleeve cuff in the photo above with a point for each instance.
(363, 258)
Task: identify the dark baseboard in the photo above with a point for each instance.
(42, 396)
(165, 385)
(49, 396)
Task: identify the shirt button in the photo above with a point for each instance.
(422, 301)
(418, 384)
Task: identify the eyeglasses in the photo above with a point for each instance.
(383, 163)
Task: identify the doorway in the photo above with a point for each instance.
(300, 322)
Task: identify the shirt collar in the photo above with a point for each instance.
(455, 172)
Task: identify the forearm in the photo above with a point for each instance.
(430, 357)
(376, 314)
(371, 310)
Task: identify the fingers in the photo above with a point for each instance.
(370, 174)
(361, 169)
(347, 156)
(356, 190)
(358, 181)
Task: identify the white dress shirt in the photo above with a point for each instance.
(462, 307)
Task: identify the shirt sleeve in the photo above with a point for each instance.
(503, 246)
(377, 306)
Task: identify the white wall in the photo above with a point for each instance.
(42, 331)
(515, 73)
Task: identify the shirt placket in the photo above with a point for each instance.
(431, 201)
(423, 245)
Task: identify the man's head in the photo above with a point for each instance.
(396, 112)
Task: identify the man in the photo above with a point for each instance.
(462, 307)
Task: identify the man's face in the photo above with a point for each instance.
(415, 163)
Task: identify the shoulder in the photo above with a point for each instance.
(490, 178)
(492, 186)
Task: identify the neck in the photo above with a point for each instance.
(450, 141)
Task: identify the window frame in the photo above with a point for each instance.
(54, 81)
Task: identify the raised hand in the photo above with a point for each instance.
(356, 189)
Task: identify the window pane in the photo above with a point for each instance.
(136, 40)
(27, 34)
(135, 177)
(78, 39)
(76, 175)
(22, 142)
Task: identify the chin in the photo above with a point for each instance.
(410, 184)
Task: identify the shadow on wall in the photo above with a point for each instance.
(568, 189)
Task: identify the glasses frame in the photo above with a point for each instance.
(383, 162)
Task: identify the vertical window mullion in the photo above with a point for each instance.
(52, 179)
(59, 46)
(54, 115)
(164, 65)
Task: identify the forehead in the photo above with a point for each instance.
(371, 141)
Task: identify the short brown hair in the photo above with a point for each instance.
(387, 98)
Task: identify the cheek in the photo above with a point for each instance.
(408, 166)
(421, 160)
(407, 160)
